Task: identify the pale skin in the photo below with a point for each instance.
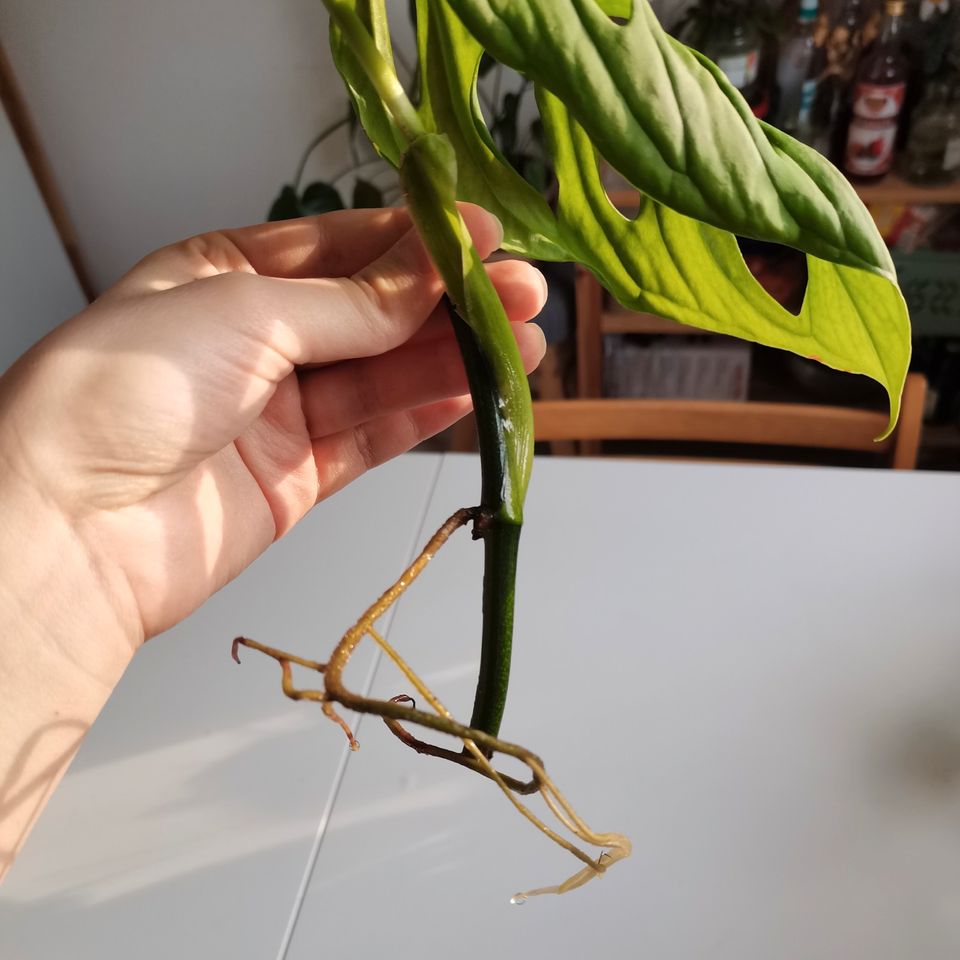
(154, 445)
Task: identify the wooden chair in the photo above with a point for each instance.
(763, 424)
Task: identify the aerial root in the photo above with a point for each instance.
(478, 746)
(295, 693)
(460, 757)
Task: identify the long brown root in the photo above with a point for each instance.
(479, 747)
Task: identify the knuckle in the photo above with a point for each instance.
(212, 253)
(366, 450)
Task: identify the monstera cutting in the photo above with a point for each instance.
(612, 87)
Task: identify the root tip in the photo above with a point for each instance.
(235, 648)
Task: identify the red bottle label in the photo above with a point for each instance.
(876, 109)
(870, 147)
(875, 102)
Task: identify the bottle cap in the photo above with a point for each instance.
(894, 8)
(808, 10)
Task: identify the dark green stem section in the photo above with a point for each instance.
(500, 533)
(500, 542)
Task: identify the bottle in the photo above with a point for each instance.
(733, 44)
(796, 84)
(932, 154)
(841, 53)
(878, 95)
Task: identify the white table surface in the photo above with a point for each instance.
(754, 672)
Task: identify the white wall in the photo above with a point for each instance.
(38, 289)
(162, 119)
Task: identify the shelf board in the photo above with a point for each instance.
(891, 189)
(626, 321)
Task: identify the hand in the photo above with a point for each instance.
(197, 411)
(154, 445)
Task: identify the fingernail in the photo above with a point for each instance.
(544, 286)
(499, 224)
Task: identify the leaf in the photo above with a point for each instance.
(692, 272)
(366, 194)
(320, 197)
(668, 120)
(380, 127)
(674, 126)
(286, 206)
(450, 59)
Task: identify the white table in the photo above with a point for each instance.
(754, 672)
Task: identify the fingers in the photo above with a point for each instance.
(337, 244)
(522, 290)
(279, 323)
(343, 457)
(413, 375)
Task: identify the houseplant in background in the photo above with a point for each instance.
(610, 85)
(503, 99)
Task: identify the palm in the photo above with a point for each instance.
(240, 396)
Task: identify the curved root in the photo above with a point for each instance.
(478, 746)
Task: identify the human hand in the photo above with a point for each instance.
(203, 405)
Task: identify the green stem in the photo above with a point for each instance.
(501, 396)
(500, 533)
(379, 71)
(498, 382)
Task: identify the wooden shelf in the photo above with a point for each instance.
(626, 321)
(891, 189)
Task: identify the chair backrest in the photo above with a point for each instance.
(768, 424)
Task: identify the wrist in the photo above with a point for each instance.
(57, 587)
(65, 644)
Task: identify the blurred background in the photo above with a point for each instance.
(132, 124)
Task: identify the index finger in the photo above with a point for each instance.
(336, 244)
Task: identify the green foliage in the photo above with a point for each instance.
(670, 122)
(286, 206)
(318, 197)
(366, 194)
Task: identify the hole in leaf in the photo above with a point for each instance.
(780, 270)
(510, 113)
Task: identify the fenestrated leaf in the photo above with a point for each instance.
(678, 258)
(668, 120)
(678, 267)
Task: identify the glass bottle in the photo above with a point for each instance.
(733, 44)
(932, 155)
(796, 86)
(878, 96)
(841, 53)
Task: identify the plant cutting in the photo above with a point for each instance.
(611, 86)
